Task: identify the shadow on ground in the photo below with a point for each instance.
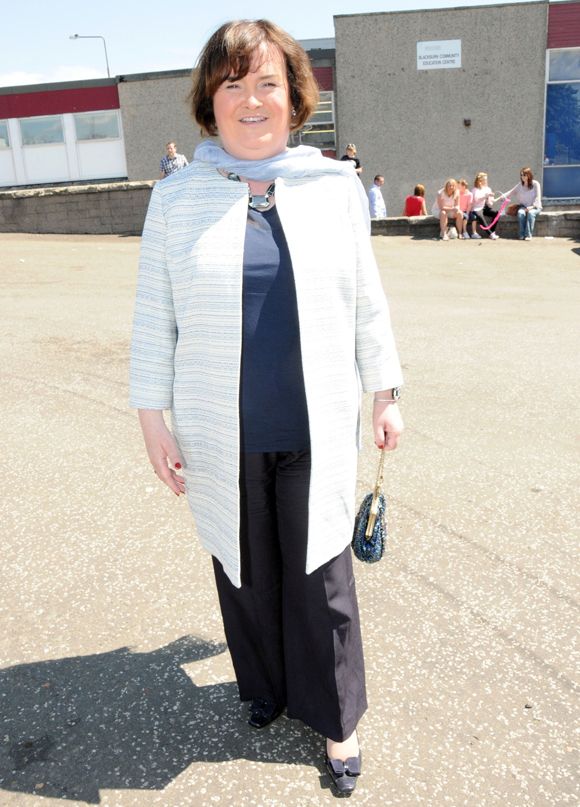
(74, 726)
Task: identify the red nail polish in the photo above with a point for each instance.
(178, 465)
(381, 446)
(177, 494)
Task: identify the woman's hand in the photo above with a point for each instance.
(387, 424)
(161, 447)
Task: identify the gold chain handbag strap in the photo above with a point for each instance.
(376, 493)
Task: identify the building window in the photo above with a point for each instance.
(97, 125)
(41, 131)
(564, 65)
(4, 139)
(562, 135)
(319, 128)
(563, 124)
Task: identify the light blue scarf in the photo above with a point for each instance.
(293, 163)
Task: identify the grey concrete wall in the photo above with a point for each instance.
(116, 207)
(560, 224)
(154, 111)
(408, 123)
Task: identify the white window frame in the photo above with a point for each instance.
(99, 139)
(9, 146)
(42, 145)
(546, 83)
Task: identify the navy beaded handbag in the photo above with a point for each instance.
(370, 525)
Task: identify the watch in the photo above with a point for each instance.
(395, 395)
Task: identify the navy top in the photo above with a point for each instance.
(273, 412)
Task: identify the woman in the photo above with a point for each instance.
(351, 157)
(446, 206)
(529, 196)
(481, 207)
(258, 305)
(465, 201)
(415, 204)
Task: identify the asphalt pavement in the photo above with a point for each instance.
(116, 687)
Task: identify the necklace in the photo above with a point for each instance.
(256, 202)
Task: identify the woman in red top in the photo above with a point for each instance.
(415, 205)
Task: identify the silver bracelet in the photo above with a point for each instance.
(385, 400)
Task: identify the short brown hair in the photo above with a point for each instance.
(419, 191)
(378, 176)
(228, 54)
(463, 182)
(529, 175)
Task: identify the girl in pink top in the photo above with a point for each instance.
(448, 205)
(465, 200)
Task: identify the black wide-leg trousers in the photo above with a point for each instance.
(294, 638)
(484, 217)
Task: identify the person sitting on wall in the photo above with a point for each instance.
(172, 163)
(529, 196)
(446, 206)
(378, 209)
(465, 200)
(481, 207)
(415, 204)
(351, 155)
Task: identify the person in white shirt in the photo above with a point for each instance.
(529, 195)
(377, 205)
(481, 207)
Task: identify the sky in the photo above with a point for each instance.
(35, 46)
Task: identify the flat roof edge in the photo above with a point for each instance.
(153, 75)
(23, 89)
(449, 8)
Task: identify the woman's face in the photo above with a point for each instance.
(253, 114)
(351, 153)
(484, 181)
(449, 189)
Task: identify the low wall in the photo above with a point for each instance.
(120, 207)
(111, 207)
(557, 224)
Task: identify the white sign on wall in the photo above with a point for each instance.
(438, 55)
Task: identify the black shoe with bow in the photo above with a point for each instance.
(344, 774)
(263, 712)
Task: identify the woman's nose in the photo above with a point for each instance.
(251, 101)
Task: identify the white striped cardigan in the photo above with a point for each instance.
(186, 345)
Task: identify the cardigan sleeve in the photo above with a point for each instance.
(154, 327)
(510, 193)
(376, 354)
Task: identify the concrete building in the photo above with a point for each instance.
(154, 111)
(425, 120)
(425, 95)
(118, 128)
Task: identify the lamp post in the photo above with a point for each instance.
(76, 36)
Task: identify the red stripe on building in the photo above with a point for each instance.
(58, 102)
(323, 76)
(564, 25)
